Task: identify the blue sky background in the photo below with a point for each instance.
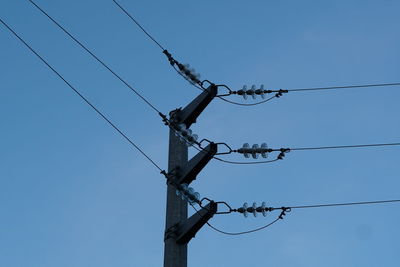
(74, 193)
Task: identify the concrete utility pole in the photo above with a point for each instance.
(179, 229)
(175, 255)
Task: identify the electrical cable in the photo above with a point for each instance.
(244, 162)
(95, 57)
(261, 102)
(344, 204)
(244, 232)
(162, 48)
(157, 110)
(116, 75)
(138, 24)
(103, 63)
(244, 104)
(342, 87)
(345, 146)
(80, 95)
(283, 151)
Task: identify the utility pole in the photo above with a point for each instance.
(179, 229)
(175, 255)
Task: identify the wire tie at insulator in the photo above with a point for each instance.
(281, 92)
(171, 60)
(163, 172)
(282, 215)
(283, 152)
(164, 118)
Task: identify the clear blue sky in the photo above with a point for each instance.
(74, 193)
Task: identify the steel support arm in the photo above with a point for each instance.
(188, 229)
(190, 170)
(189, 114)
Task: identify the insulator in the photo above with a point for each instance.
(178, 192)
(245, 91)
(254, 209)
(191, 139)
(245, 207)
(246, 147)
(183, 188)
(264, 152)
(181, 127)
(183, 191)
(262, 91)
(253, 91)
(196, 196)
(264, 211)
(190, 195)
(254, 152)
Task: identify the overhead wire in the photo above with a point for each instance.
(342, 87)
(138, 24)
(158, 111)
(95, 57)
(289, 208)
(80, 95)
(117, 75)
(260, 102)
(162, 48)
(345, 204)
(344, 146)
(244, 232)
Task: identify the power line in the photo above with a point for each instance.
(345, 146)
(254, 151)
(244, 162)
(244, 232)
(81, 96)
(162, 48)
(118, 76)
(96, 58)
(344, 204)
(288, 209)
(106, 66)
(342, 87)
(245, 209)
(138, 24)
(260, 102)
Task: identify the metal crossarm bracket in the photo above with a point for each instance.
(188, 229)
(189, 172)
(189, 114)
